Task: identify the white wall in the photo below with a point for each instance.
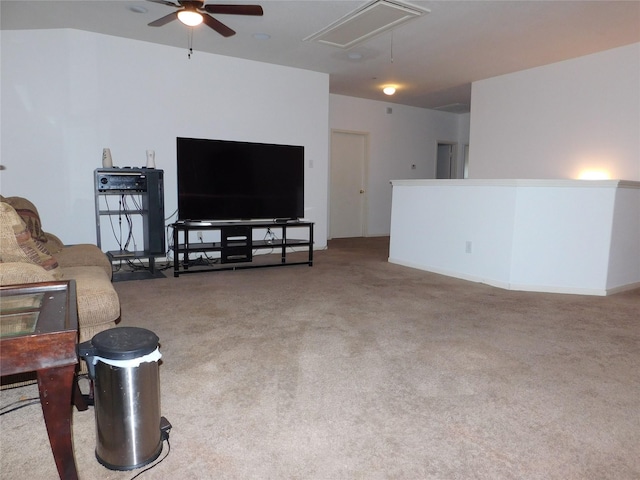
(557, 120)
(405, 137)
(433, 220)
(624, 257)
(66, 94)
(564, 236)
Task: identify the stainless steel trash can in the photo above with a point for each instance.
(123, 364)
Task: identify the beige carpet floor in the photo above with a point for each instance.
(360, 369)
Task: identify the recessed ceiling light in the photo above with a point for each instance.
(261, 36)
(389, 90)
(138, 9)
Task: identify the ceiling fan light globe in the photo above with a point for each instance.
(389, 90)
(190, 18)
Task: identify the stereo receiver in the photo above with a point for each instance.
(130, 181)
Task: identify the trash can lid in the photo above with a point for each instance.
(124, 343)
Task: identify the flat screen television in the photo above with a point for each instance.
(228, 180)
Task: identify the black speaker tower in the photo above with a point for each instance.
(153, 221)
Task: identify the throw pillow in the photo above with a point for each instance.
(30, 216)
(16, 244)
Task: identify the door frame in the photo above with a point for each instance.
(465, 161)
(365, 179)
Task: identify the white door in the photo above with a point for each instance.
(348, 185)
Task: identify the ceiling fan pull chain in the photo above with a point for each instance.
(190, 43)
(391, 46)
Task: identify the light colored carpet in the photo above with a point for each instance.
(360, 369)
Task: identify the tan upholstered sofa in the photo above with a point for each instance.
(28, 254)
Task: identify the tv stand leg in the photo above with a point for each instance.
(284, 243)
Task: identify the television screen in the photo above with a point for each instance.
(227, 180)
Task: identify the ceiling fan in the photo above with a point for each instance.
(194, 12)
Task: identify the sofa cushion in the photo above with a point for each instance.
(54, 244)
(17, 244)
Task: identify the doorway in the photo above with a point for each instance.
(446, 160)
(348, 188)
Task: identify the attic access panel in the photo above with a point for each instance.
(366, 22)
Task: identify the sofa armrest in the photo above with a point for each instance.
(14, 273)
(83, 255)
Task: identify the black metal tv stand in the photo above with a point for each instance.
(238, 242)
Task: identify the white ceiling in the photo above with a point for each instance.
(433, 59)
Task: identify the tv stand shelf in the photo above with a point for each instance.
(237, 245)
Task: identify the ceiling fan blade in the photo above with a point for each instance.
(219, 27)
(164, 20)
(165, 2)
(234, 9)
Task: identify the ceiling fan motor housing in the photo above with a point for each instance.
(199, 8)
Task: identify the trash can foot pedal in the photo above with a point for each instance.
(165, 428)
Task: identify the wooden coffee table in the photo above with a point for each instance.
(39, 332)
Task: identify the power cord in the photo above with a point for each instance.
(23, 402)
(270, 237)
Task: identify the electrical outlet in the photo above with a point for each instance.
(200, 236)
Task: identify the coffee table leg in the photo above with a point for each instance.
(55, 386)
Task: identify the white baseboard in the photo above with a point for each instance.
(520, 287)
(623, 288)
